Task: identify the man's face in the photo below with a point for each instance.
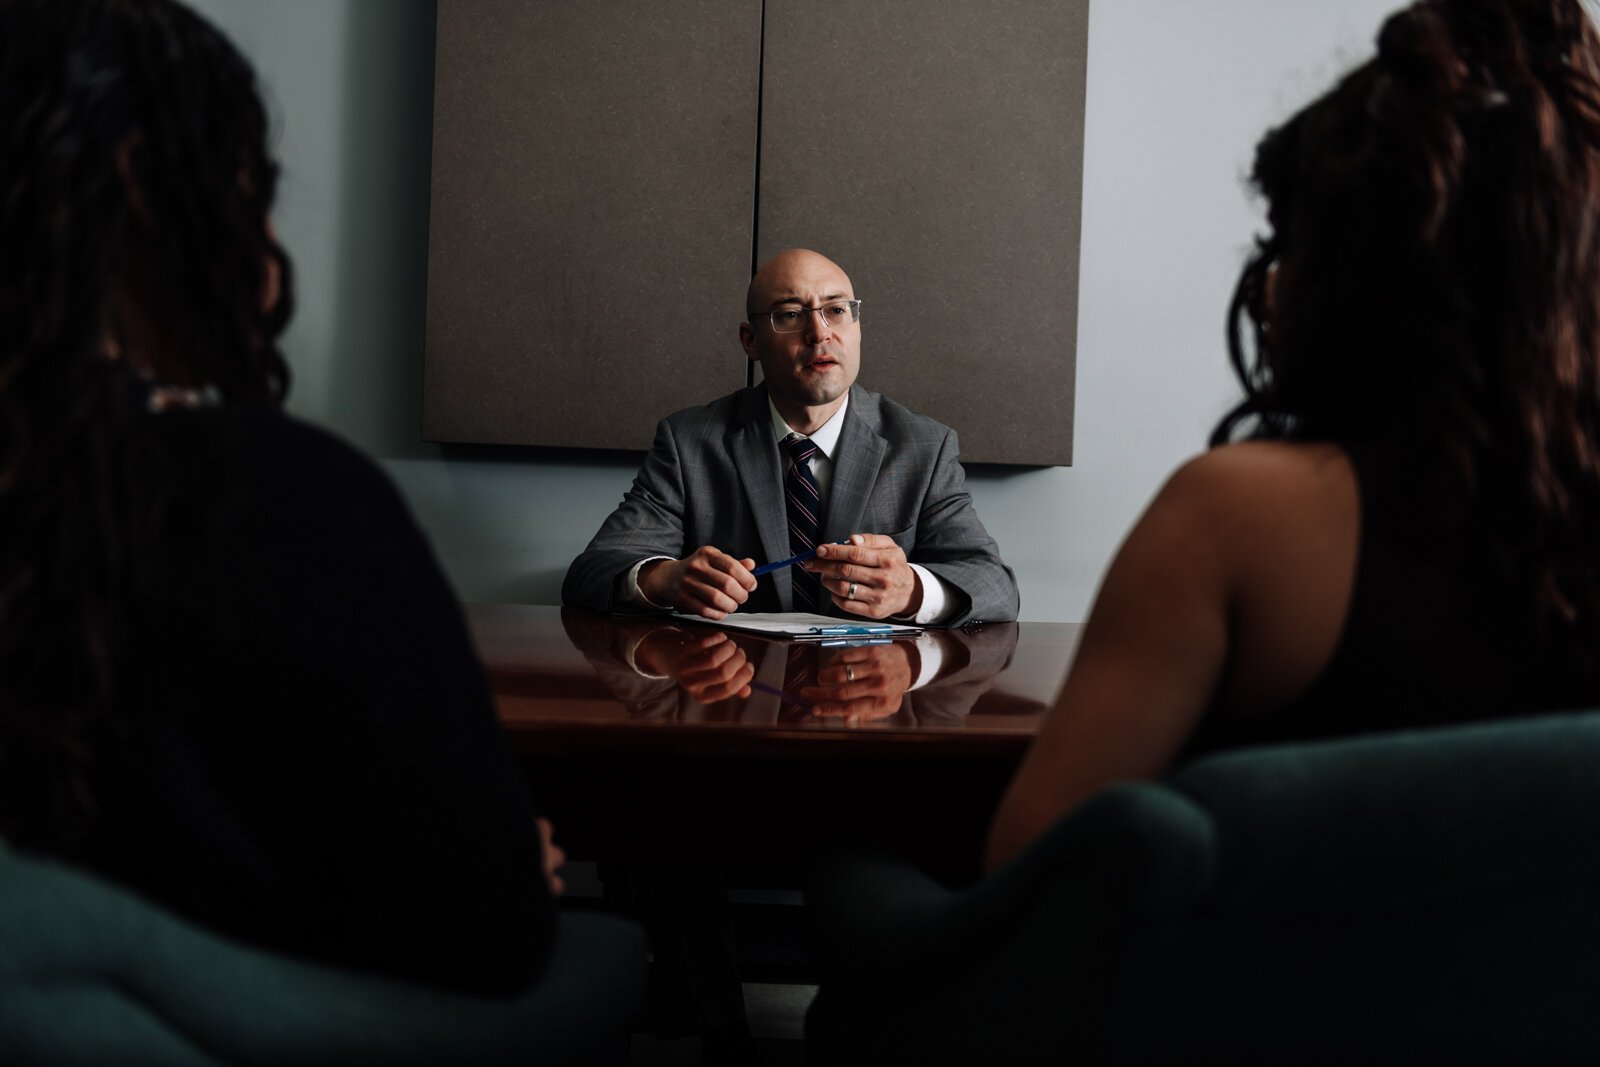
(813, 367)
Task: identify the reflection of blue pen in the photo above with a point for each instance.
(853, 642)
(775, 691)
(768, 568)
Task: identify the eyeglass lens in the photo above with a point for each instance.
(838, 313)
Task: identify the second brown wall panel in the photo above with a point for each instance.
(935, 150)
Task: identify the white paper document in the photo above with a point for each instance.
(800, 626)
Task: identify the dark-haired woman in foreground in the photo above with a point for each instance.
(1409, 532)
(231, 673)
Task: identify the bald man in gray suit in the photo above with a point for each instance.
(709, 500)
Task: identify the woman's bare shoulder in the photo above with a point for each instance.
(1283, 521)
(1228, 593)
(1251, 468)
(1253, 494)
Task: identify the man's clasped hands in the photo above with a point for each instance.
(868, 576)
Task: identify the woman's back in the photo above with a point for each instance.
(308, 755)
(231, 673)
(1276, 591)
(1407, 536)
(1428, 628)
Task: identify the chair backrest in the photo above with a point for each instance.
(1428, 896)
(1431, 895)
(91, 973)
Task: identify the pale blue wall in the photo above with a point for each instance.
(1179, 91)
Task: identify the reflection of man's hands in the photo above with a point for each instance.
(709, 668)
(708, 582)
(864, 683)
(869, 576)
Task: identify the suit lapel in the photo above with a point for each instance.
(856, 462)
(755, 455)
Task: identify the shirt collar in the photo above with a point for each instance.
(827, 436)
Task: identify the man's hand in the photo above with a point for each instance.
(864, 684)
(869, 576)
(709, 667)
(709, 583)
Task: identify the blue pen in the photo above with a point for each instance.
(851, 631)
(768, 568)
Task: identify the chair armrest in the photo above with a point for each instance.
(1132, 846)
(71, 940)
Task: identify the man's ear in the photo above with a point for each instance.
(747, 338)
(125, 152)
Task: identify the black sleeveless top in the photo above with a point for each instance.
(1433, 634)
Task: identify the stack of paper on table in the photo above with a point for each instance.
(800, 626)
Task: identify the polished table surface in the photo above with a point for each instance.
(656, 738)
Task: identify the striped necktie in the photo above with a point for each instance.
(805, 518)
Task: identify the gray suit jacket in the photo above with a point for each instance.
(714, 477)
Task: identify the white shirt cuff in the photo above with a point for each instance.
(935, 597)
(631, 653)
(632, 596)
(932, 657)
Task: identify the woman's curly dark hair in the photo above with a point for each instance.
(1434, 277)
(135, 189)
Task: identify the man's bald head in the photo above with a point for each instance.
(779, 272)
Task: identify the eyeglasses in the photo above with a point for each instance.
(834, 313)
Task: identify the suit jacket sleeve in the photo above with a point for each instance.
(648, 522)
(952, 543)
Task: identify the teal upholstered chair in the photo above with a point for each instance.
(92, 974)
(1427, 896)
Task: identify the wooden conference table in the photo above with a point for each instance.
(639, 747)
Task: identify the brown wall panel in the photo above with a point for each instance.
(593, 198)
(935, 150)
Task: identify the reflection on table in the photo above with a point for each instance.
(568, 673)
(656, 739)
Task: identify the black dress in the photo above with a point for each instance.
(311, 759)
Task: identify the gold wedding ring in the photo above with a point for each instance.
(852, 593)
